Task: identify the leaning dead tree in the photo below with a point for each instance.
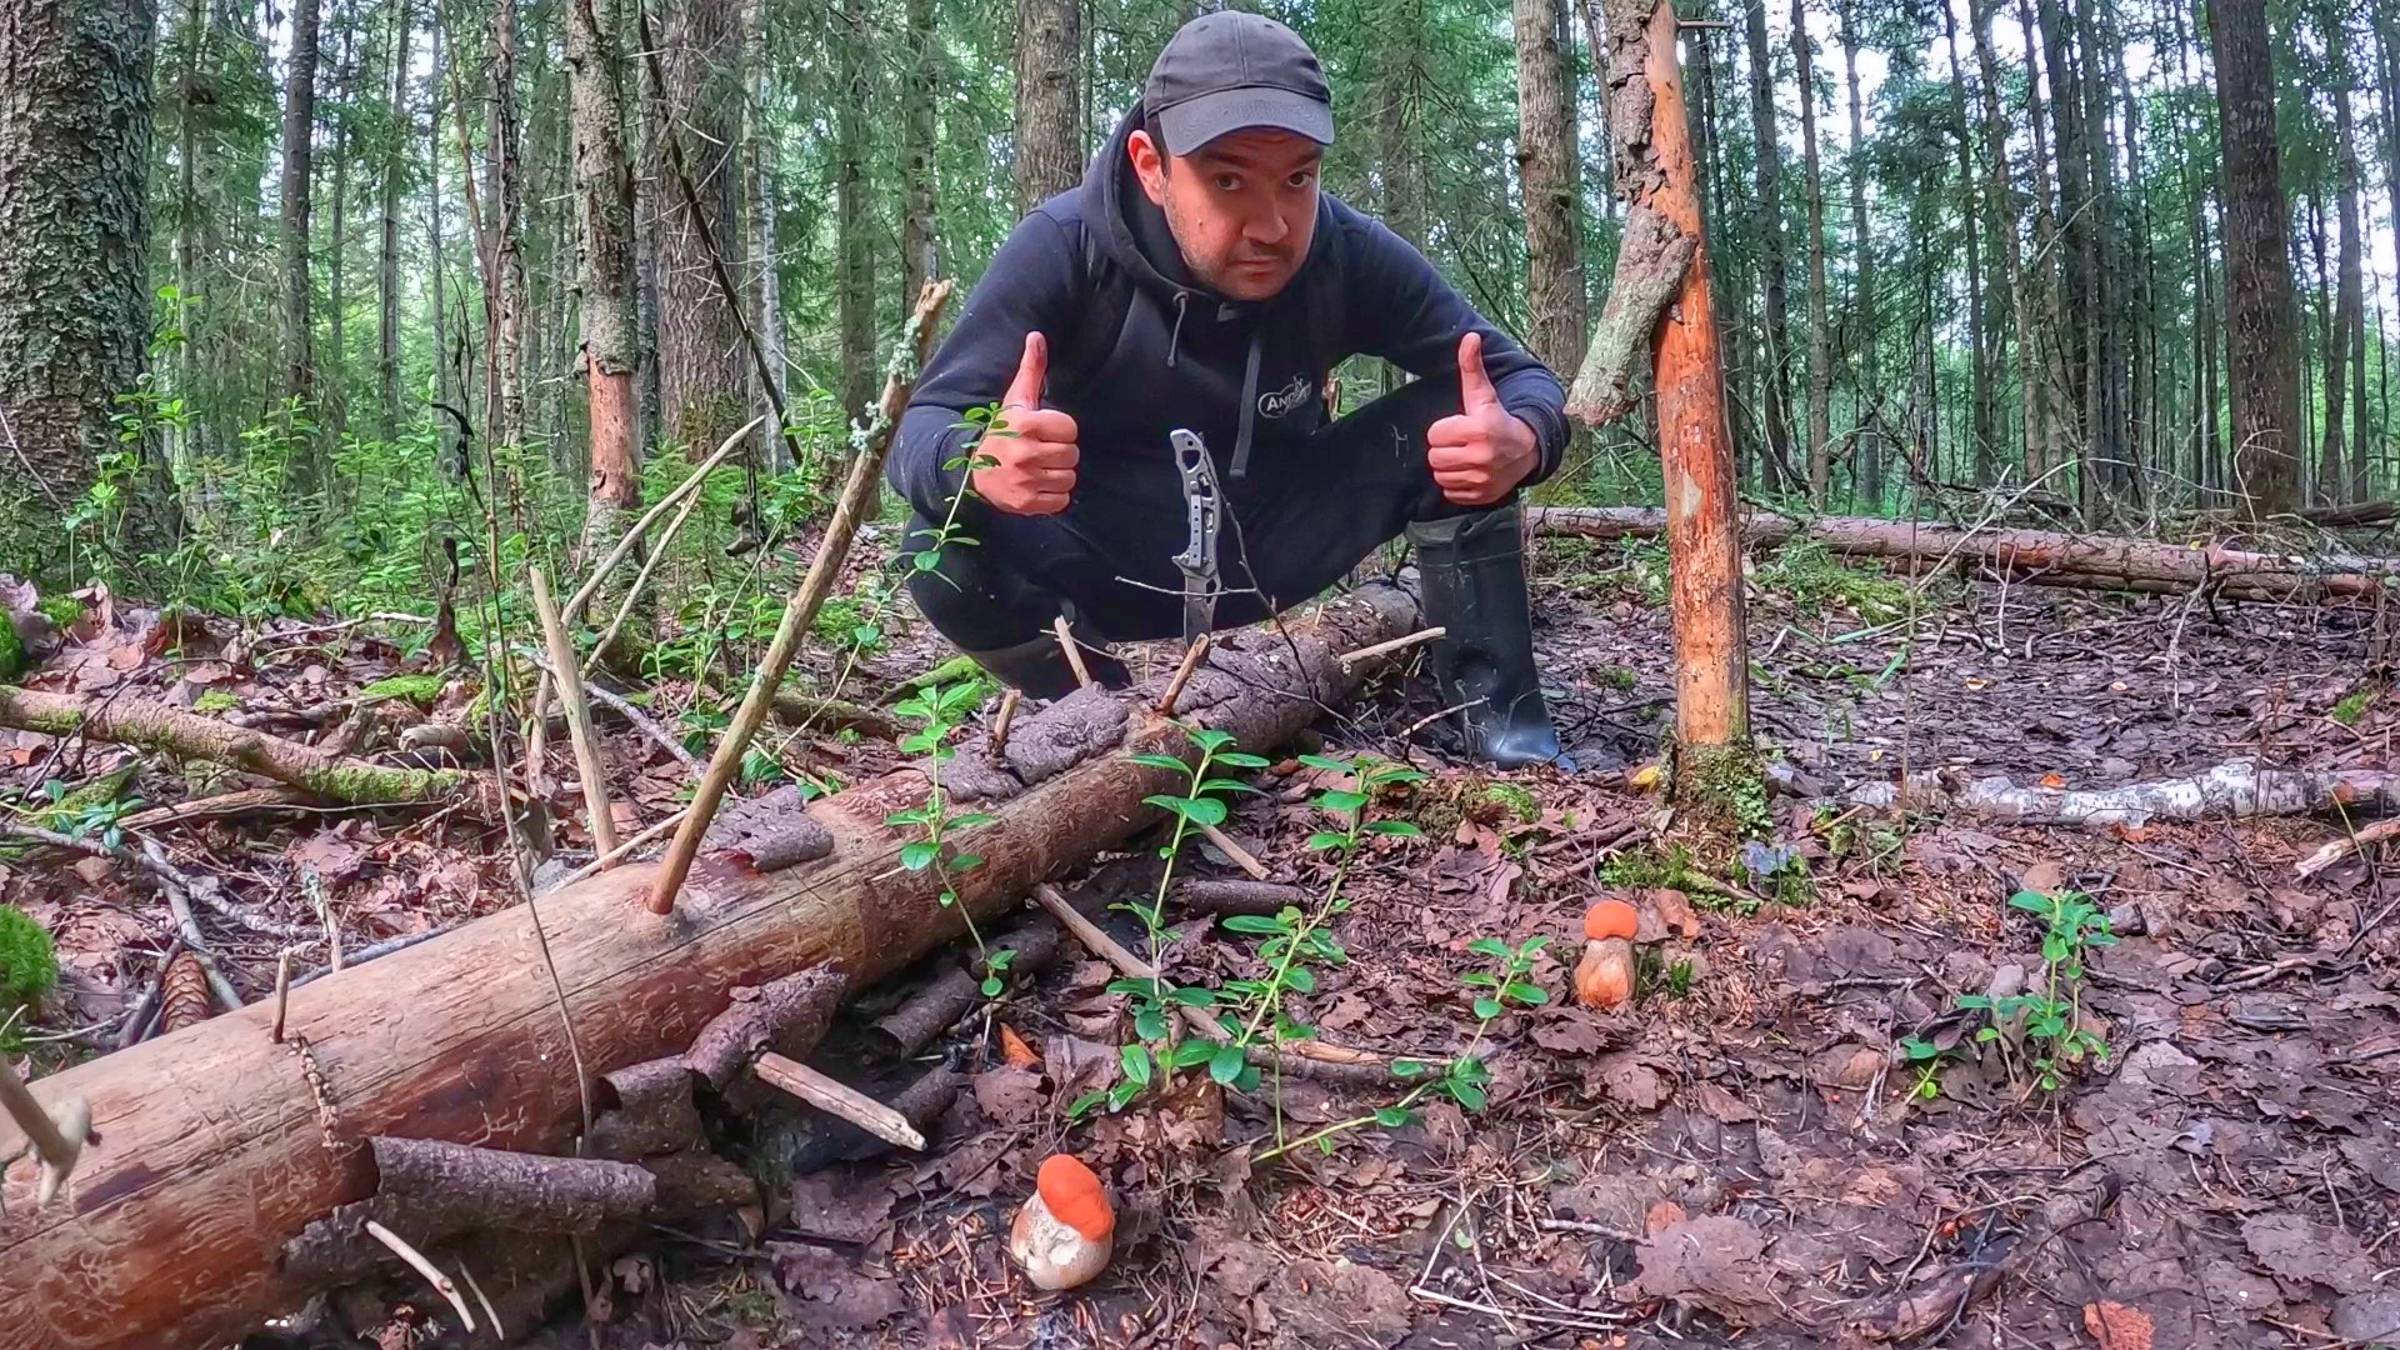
(2091, 562)
(209, 1200)
(1659, 308)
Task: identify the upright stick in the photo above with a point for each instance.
(857, 492)
(579, 716)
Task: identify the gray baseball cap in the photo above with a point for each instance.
(1231, 71)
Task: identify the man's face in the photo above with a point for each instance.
(1243, 207)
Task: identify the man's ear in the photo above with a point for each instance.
(1149, 165)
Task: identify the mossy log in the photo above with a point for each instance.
(156, 726)
(218, 1145)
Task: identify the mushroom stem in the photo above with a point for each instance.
(1604, 977)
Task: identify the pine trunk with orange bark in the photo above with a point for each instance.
(1660, 300)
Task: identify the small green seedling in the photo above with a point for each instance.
(2053, 1017)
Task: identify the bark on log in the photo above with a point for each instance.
(220, 1145)
(155, 726)
(2042, 556)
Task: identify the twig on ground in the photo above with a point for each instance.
(648, 834)
(1008, 714)
(1074, 651)
(1349, 659)
(838, 1099)
(2373, 833)
(1241, 856)
(283, 991)
(580, 735)
(224, 804)
(632, 713)
(1183, 675)
(441, 1283)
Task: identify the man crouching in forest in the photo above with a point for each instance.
(1199, 280)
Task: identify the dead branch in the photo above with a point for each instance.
(156, 726)
(838, 1099)
(2047, 557)
(2374, 833)
(2238, 789)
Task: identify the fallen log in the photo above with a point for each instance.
(155, 726)
(2042, 556)
(219, 1146)
(2235, 790)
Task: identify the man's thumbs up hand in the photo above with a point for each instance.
(1479, 456)
(1032, 448)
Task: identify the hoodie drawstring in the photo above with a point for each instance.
(1175, 336)
(1241, 438)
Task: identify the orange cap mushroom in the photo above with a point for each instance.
(1611, 919)
(1075, 1196)
(1063, 1235)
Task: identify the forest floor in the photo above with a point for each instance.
(1794, 1137)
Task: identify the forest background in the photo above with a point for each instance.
(288, 277)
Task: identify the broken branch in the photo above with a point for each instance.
(579, 715)
(838, 1099)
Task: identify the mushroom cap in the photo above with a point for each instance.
(1073, 1195)
(1611, 919)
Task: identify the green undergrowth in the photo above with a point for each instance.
(421, 690)
(1807, 572)
(28, 970)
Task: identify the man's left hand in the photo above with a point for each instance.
(1479, 456)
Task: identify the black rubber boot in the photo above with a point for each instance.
(1039, 667)
(1473, 571)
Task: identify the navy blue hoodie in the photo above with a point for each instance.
(1138, 347)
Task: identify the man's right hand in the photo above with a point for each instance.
(1033, 448)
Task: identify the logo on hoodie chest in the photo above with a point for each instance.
(1282, 402)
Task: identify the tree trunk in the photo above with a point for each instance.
(2333, 476)
(761, 178)
(604, 276)
(387, 262)
(1660, 184)
(186, 1203)
(1820, 341)
(1867, 449)
(1766, 139)
(703, 366)
(1397, 90)
(75, 129)
(2043, 264)
(1982, 347)
(2263, 354)
(920, 261)
(505, 205)
(299, 130)
(2007, 241)
(854, 223)
(1049, 59)
(1546, 163)
(437, 234)
(336, 398)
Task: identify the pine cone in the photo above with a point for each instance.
(183, 994)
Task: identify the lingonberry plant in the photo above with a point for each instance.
(938, 712)
(2072, 926)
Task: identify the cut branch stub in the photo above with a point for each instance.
(788, 1016)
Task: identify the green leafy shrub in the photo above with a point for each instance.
(28, 962)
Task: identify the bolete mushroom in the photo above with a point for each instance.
(1604, 977)
(1063, 1235)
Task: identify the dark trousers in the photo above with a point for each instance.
(1311, 517)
